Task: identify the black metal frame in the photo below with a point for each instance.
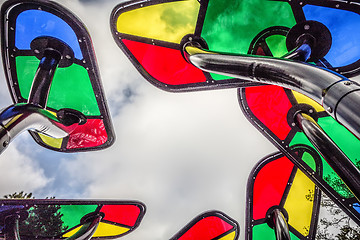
(15, 7)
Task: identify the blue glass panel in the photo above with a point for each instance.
(344, 27)
(31, 24)
(356, 206)
(10, 207)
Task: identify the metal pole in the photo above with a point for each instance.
(20, 117)
(43, 78)
(332, 154)
(280, 225)
(11, 231)
(338, 95)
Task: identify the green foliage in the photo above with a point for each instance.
(337, 225)
(20, 195)
(42, 220)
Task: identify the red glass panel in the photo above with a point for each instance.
(260, 52)
(91, 134)
(207, 228)
(270, 105)
(170, 67)
(269, 193)
(122, 214)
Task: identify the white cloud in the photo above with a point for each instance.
(181, 154)
(19, 172)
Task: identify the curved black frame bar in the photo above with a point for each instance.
(88, 57)
(331, 90)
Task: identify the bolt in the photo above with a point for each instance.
(5, 144)
(329, 109)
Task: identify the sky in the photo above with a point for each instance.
(181, 154)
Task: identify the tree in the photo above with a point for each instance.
(20, 195)
(42, 220)
(337, 224)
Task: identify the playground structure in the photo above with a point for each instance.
(294, 56)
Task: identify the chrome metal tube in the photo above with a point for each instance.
(87, 230)
(280, 225)
(43, 77)
(12, 227)
(20, 117)
(337, 94)
(332, 154)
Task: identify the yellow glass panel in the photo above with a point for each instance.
(300, 98)
(167, 21)
(297, 205)
(103, 230)
(52, 142)
(13, 120)
(230, 236)
(72, 232)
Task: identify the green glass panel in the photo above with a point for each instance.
(309, 160)
(231, 25)
(218, 76)
(300, 138)
(25, 70)
(277, 45)
(72, 214)
(342, 137)
(328, 174)
(263, 231)
(71, 86)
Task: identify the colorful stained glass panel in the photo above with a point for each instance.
(265, 98)
(208, 226)
(76, 87)
(233, 27)
(298, 198)
(63, 218)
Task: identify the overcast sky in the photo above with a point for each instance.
(180, 154)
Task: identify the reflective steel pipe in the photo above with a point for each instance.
(332, 154)
(337, 94)
(43, 78)
(20, 117)
(88, 229)
(280, 225)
